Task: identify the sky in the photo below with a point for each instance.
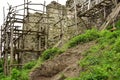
(5, 3)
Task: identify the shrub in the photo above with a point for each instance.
(24, 75)
(38, 63)
(19, 74)
(15, 74)
(2, 75)
(50, 53)
(88, 36)
(1, 66)
(117, 25)
(6, 78)
(30, 65)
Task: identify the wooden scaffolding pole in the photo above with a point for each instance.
(46, 27)
(75, 8)
(6, 72)
(11, 43)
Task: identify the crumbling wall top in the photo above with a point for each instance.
(55, 5)
(70, 3)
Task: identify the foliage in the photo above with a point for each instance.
(50, 53)
(116, 46)
(1, 69)
(89, 35)
(38, 63)
(15, 74)
(117, 25)
(5, 78)
(19, 74)
(1, 66)
(29, 65)
(24, 75)
(102, 61)
(92, 70)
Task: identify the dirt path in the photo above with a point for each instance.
(64, 65)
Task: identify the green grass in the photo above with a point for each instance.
(89, 35)
(102, 61)
(50, 53)
(117, 25)
(47, 54)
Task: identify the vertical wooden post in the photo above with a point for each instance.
(6, 54)
(1, 43)
(11, 41)
(27, 13)
(22, 38)
(46, 27)
(104, 12)
(61, 26)
(75, 8)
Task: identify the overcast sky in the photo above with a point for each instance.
(4, 3)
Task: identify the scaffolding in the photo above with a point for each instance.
(13, 33)
(16, 28)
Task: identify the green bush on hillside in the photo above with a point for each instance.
(1, 66)
(88, 36)
(19, 74)
(29, 65)
(24, 74)
(15, 74)
(50, 53)
(117, 25)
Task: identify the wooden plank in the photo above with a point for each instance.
(58, 21)
(111, 16)
(28, 50)
(95, 7)
(21, 4)
(15, 65)
(18, 21)
(11, 49)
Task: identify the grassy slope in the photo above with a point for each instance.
(101, 62)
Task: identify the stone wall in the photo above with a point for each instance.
(70, 3)
(61, 28)
(93, 21)
(31, 40)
